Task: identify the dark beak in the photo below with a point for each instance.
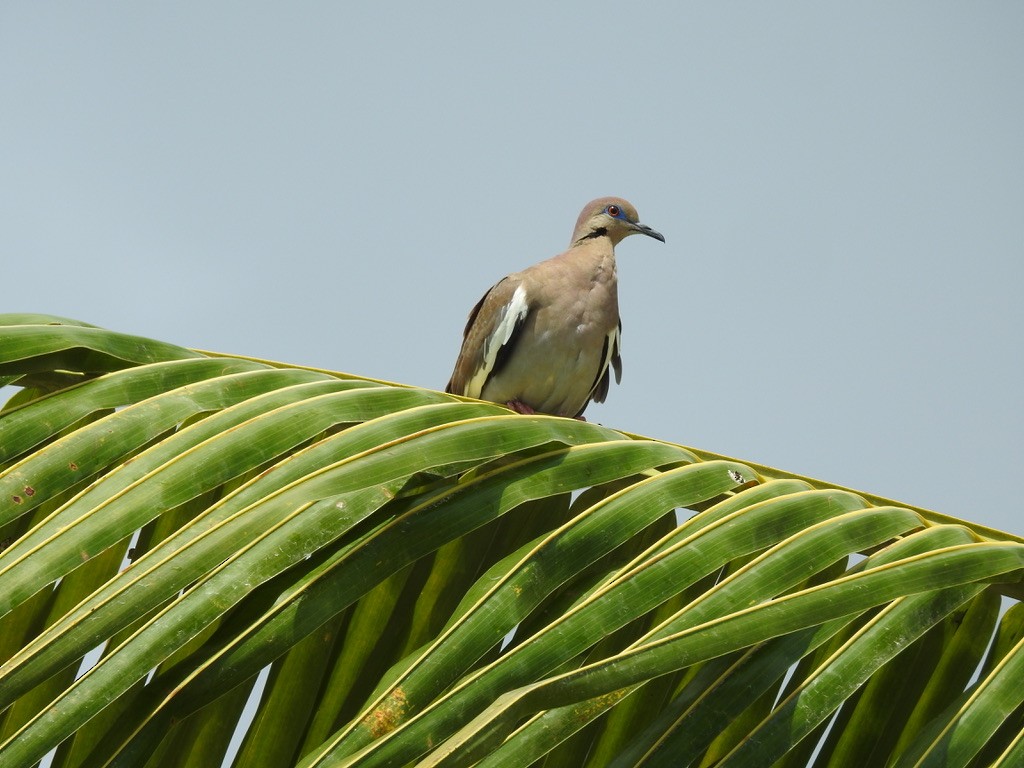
(643, 229)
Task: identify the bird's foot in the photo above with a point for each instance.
(520, 407)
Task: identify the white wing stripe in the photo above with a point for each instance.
(610, 350)
(511, 315)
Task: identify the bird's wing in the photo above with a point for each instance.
(490, 335)
(610, 360)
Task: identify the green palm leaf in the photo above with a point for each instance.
(427, 580)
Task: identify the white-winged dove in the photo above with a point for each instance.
(543, 340)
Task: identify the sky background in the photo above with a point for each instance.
(335, 185)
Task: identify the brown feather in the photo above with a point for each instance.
(482, 321)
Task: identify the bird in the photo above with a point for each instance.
(546, 339)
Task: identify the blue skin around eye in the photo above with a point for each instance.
(620, 215)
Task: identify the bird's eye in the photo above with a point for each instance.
(613, 210)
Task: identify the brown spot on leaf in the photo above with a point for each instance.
(17, 499)
(30, 491)
(388, 716)
(594, 707)
(72, 466)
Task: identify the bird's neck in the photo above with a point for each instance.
(595, 256)
(599, 237)
(594, 234)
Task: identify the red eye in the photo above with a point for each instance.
(613, 210)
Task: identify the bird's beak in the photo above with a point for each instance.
(643, 229)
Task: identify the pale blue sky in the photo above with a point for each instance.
(841, 187)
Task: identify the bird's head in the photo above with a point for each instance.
(610, 217)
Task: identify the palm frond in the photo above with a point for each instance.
(426, 579)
